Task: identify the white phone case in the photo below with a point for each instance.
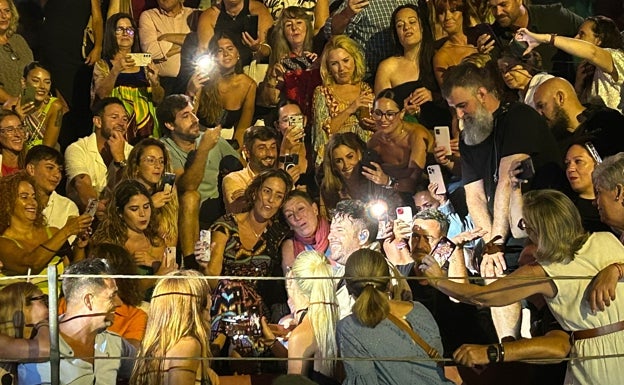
(435, 176)
(443, 137)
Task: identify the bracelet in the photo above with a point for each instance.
(390, 184)
(492, 353)
(552, 38)
(620, 270)
(501, 352)
(47, 248)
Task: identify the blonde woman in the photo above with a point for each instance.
(316, 312)
(177, 334)
(342, 102)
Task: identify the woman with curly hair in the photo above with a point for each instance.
(129, 223)
(342, 103)
(223, 94)
(177, 334)
(148, 161)
(27, 244)
(247, 244)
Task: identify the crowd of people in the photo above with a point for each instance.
(373, 192)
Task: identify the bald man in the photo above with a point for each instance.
(571, 121)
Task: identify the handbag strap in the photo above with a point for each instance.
(431, 352)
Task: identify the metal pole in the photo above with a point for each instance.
(55, 356)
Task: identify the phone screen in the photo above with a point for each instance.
(527, 169)
(443, 251)
(251, 26)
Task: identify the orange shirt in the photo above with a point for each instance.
(130, 321)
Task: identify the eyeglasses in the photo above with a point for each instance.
(13, 130)
(43, 298)
(128, 30)
(7, 48)
(390, 115)
(152, 161)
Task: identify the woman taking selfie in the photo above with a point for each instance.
(348, 174)
(223, 94)
(136, 84)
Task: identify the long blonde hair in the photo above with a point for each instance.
(13, 298)
(323, 305)
(175, 312)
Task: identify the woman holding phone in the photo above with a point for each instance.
(223, 94)
(118, 74)
(150, 164)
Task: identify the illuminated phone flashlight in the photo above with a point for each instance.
(204, 64)
(378, 209)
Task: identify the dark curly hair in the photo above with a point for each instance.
(9, 186)
(114, 229)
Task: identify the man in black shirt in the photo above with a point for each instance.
(495, 135)
(571, 122)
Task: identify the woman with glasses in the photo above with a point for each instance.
(590, 310)
(343, 102)
(27, 244)
(24, 330)
(12, 139)
(14, 52)
(118, 74)
(147, 163)
(402, 147)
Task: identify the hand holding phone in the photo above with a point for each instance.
(435, 176)
(168, 179)
(28, 95)
(443, 251)
(92, 207)
(528, 171)
(443, 138)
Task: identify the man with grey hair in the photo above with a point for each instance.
(608, 178)
(91, 304)
(496, 135)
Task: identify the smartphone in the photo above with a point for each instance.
(443, 138)
(28, 95)
(404, 214)
(141, 59)
(205, 240)
(170, 256)
(593, 152)
(442, 252)
(435, 176)
(370, 156)
(250, 25)
(473, 33)
(527, 169)
(92, 207)
(168, 179)
(289, 161)
(296, 121)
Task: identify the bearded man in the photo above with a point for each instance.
(496, 136)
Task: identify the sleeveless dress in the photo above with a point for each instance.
(35, 124)
(40, 282)
(571, 309)
(135, 92)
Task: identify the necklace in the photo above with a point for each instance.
(250, 225)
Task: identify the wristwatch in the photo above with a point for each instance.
(492, 353)
(120, 164)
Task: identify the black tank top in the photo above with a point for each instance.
(234, 27)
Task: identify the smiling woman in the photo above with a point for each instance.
(12, 138)
(247, 244)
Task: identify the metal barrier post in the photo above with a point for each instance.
(55, 356)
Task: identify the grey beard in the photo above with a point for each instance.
(478, 129)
